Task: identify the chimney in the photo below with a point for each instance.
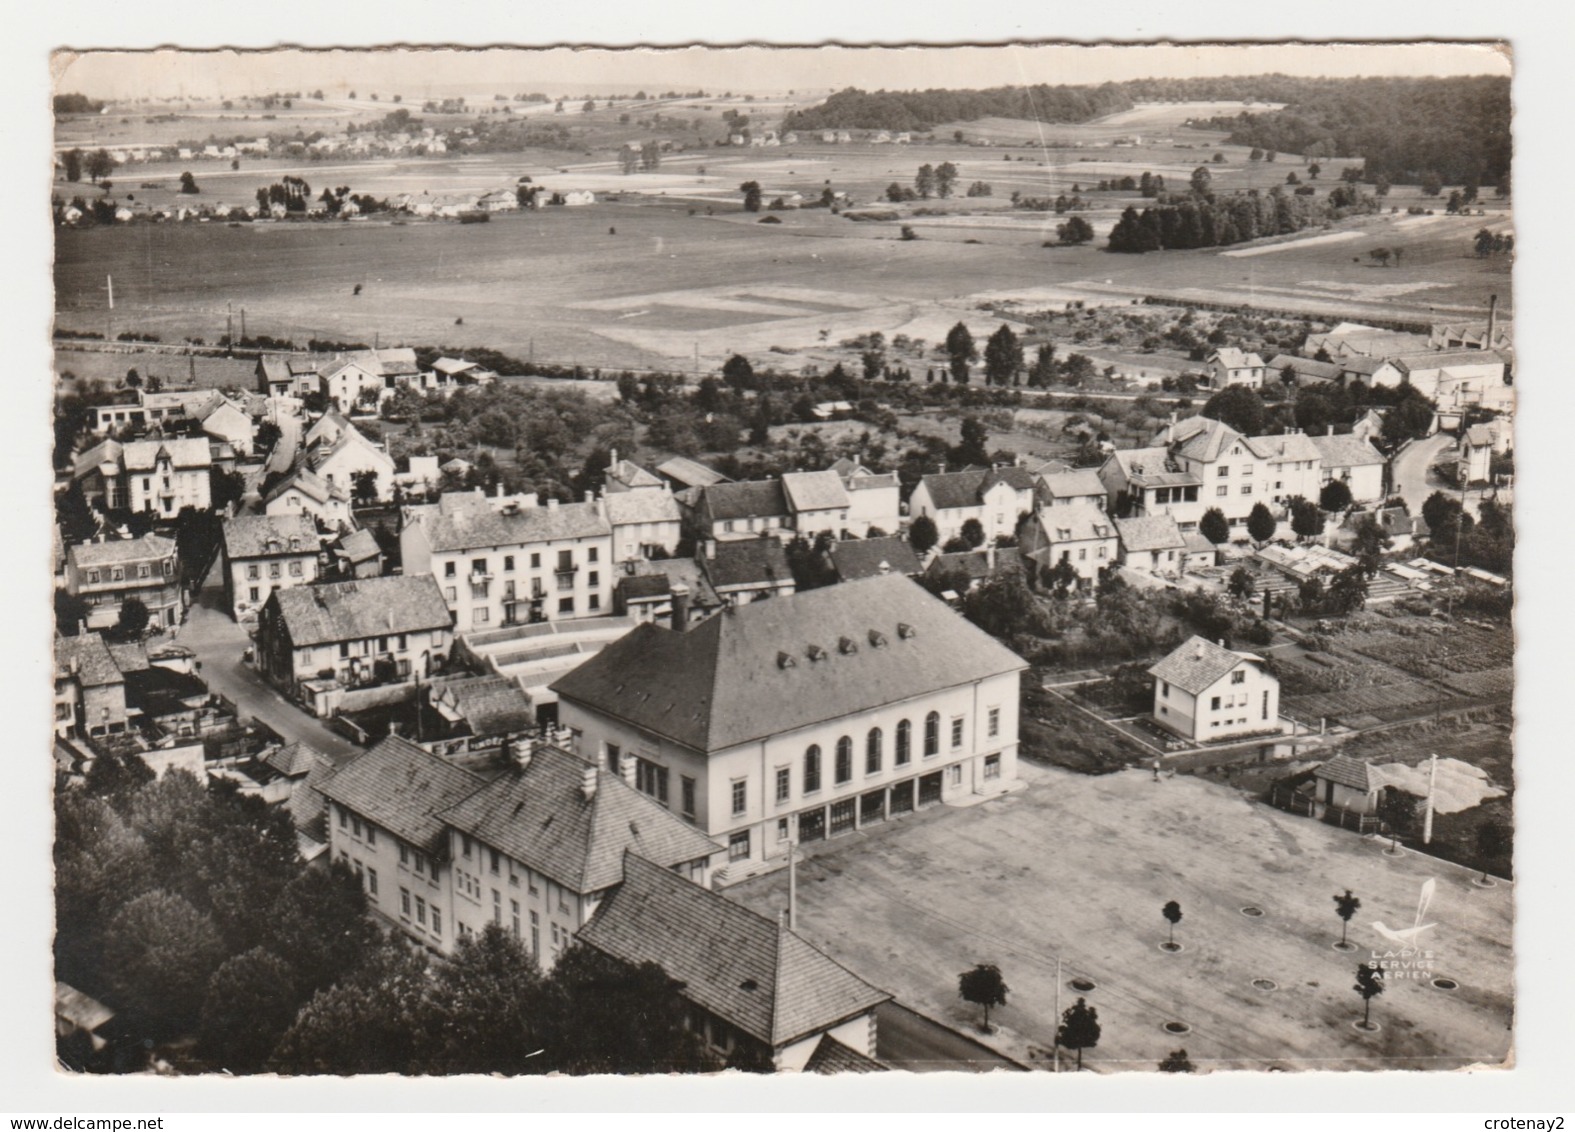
(1331, 430)
(626, 769)
(710, 548)
(680, 607)
(1487, 342)
(552, 504)
(612, 459)
(498, 491)
(1198, 652)
(523, 752)
(588, 782)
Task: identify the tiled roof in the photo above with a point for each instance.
(1441, 359)
(403, 789)
(814, 491)
(1197, 544)
(292, 759)
(1304, 367)
(130, 656)
(309, 484)
(736, 964)
(89, 658)
(642, 506)
(321, 453)
(831, 1056)
(1347, 771)
(1345, 451)
(690, 473)
(1149, 532)
(747, 562)
(117, 552)
(468, 520)
(952, 490)
(1480, 435)
(183, 452)
(260, 536)
(308, 807)
(1018, 479)
(368, 607)
(872, 481)
(384, 363)
(453, 366)
(359, 546)
(775, 666)
(871, 557)
(1198, 664)
(1142, 461)
(756, 499)
(1075, 522)
(640, 586)
(492, 705)
(1204, 439)
(685, 571)
(1232, 358)
(1288, 446)
(1070, 485)
(630, 474)
(539, 816)
(976, 563)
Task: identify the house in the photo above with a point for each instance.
(1353, 461)
(1436, 371)
(442, 852)
(996, 497)
(1205, 693)
(1146, 482)
(1079, 534)
(874, 499)
(1074, 486)
(853, 559)
(1494, 334)
(1152, 544)
(301, 771)
(449, 374)
(159, 476)
(681, 472)
(660, 590)
(1237, 472)
(741, 510)
(367, 378)
(1292, 370)
(1360, 369)
(421, 476)
(228, 422)
(107, 574)
(90, 690)
(746, 570)
(756, 991)
(507, 560)
(1197, 552)
(972, 568)
(646, 522)
(1369, 426)
(1344, 783)
(358, 555)
(314, 641)
(775, 699)
(304, 492)
(1230, 366)
(502, 200)
(1354, 339)
(818, 502)
(263, 553)
(1477, 446)
(626, 475)
(338, 452)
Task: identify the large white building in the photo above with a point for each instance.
(1204, 692)
(505, 560)
(802, 717)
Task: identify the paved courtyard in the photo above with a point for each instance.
(1079, 867)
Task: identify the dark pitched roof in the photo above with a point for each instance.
(755, 499)
(1347, 771)
(1345, 451)
(871, 557)
(1198, 664)
(748, 562)
(1018, 479)
(745, 969)
(293, 759)
(539, 816)
(690, 473)
(465, 520)
(976, 563)
(118, 552)
(815, 491)
(403, 789)
(491, 705)
(636, 586)
(89, 659)
(775, 666)
(262, 536)
(359, 546)
(367, 607)
(831, 1056)
(951, 490)
(1143, 533)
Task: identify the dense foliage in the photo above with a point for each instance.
(1212, 221)
(924, 109)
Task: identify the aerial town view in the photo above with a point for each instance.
(646, 562)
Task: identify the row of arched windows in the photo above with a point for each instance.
(874, 752)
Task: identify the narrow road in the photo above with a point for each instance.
(219, 643)
(1412, 479)
(910, 1041)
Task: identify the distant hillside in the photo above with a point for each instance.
(925, 109)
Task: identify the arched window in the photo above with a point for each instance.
(844, 760)
(812, 769)
(872, 751)
(904, 742)
(932, 734)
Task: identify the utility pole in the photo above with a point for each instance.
(1432, 783)
(792, 885)
(243, 322)
(109, 319)
(229, 323)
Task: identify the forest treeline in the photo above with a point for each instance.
(1402, 128)
(1207, 221)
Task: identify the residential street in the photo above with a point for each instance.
(219, 644)
(1411, 478)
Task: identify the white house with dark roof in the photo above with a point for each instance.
(1346, 784)
(1237, 472)
(1354, 462)
(340, 453)
(626, 475)
(803, 717)
(1081, 535)
(1204, 693)
(1146, 482)
(756, 991)
(367, 378)
(1230, 366)
(159, 476)
(507, 560)
(1069, 487)
(746, 570)
(263, 553)
(729, 510)
(90, 689)
(644, 521)
(304, 492)
(874, 498)
(818, 502)
(996, 497)
(853, 559)
(106, 574)
(1152, 544)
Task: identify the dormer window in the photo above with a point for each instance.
(877, 639)
(906, 631)
(816, 653)
(785, 660)
(846, 646)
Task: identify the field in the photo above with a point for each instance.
(667, 270)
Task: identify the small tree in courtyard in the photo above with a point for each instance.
(133, 620)
(1345, 907)
(1261, 523)
(1369, 984)
(984, 987)
(1241, 583)
(1397, 811)
(1172, 914)
(1176, 1062)
(923, 535)
(1214, 526)
(1335, 496)
(1079, 1029)
(972, 533)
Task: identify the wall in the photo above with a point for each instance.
(857, 1034)
(485, 608)
(517, 893)
(242, 583)
(379, 856)
(1244, 718)
(1176, 709)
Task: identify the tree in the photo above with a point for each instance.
(1176, 1062)
(364, 485)
(650, 156)
(1432, 184)
(1370, 543)
(1242, 584)
(1369, 984)
(611, 1017)
(1345, 907)
(961, 349)
(133, 620)
(1239, 407)
(738, 373)
(1494, 840)
(1043, 371)
(1380, 256)
(251, 1002)
(1076, 230)
(1397, 812)
(267, 436)
(1348, 590)
(71, 611)
(1201, 178)
(188, 184)
(373, 1021)
(924, 181)
(1307, 519)
(923, 535)
(973, 448)
(72, 160)
(99, 164)
(1172, 914)
(972, 533)
(751, 191)
(1335, 496)
(945, 179)
(488, 1008)
(318, 926)
(1261, 523)
(159, 952)
(1313, 170)
(1079, 1029)
(1003, 356)
(983, 986)
(1214, 526)
(1255, 155)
